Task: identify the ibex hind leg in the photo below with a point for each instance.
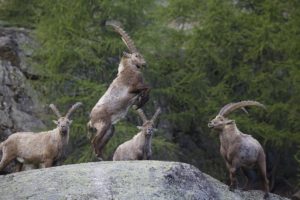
(106, 137)
(102, 127)
(263, 171)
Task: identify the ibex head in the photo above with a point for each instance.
(133, 58)
(148, 125)
(220, 121)
(63, 123)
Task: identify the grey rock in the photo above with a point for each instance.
(24, 121)
(120, 180)
(19, 106)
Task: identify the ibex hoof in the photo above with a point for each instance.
(231, 188)
(266, 196)
(99, 158)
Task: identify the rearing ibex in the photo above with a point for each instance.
(239, 150)
(127, 89)
(38, 148)
(139, 147)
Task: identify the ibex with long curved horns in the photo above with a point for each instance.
(239, 150)
(127, 89)
(139, 147)
(38, 148)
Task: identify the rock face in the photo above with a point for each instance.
(120, 180)
(19, 106)
(18, 103)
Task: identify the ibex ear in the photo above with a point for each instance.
(126, 55)
(155, 129)
(55, 122)
(230, 121)
(139, 127)
(70, 121)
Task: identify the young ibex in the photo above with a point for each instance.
(139, 147)
(127, 89)
(239, 150)
(38, 148)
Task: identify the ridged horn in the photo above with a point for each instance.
(55, 110)
(142, 115)
(233, 106)
(158, 111)
(73, 108)
(125, 37)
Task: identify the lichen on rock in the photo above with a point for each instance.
(120, 180)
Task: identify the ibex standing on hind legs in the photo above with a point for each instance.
(38, 148)
(139, 147)
(127, 89)
(239, 150)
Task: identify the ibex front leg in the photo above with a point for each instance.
(143, 92)
(232, 174)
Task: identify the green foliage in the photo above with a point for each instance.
(20, 12)
(201, 55)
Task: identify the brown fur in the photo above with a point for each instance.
(139, 147)
(239, 150)
(37, 148)
(126, 90)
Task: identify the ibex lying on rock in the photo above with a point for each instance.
(239, 149)
(38, 148)
(139, 147)
(127, 89)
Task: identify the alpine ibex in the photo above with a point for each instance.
(139, 147)
(127, 89)
(38, 148)
(239, 150)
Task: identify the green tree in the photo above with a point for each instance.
(201, 55)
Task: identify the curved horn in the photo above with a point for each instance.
(224, 108)
(125, 37)
(73, 108)
(142, 115)
(55, 110)
(158, 111)
(233, 106)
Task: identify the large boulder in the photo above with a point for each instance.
(120, 180)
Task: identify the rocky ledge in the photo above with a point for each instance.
(120, 180)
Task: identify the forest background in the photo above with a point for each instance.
(201, 55)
